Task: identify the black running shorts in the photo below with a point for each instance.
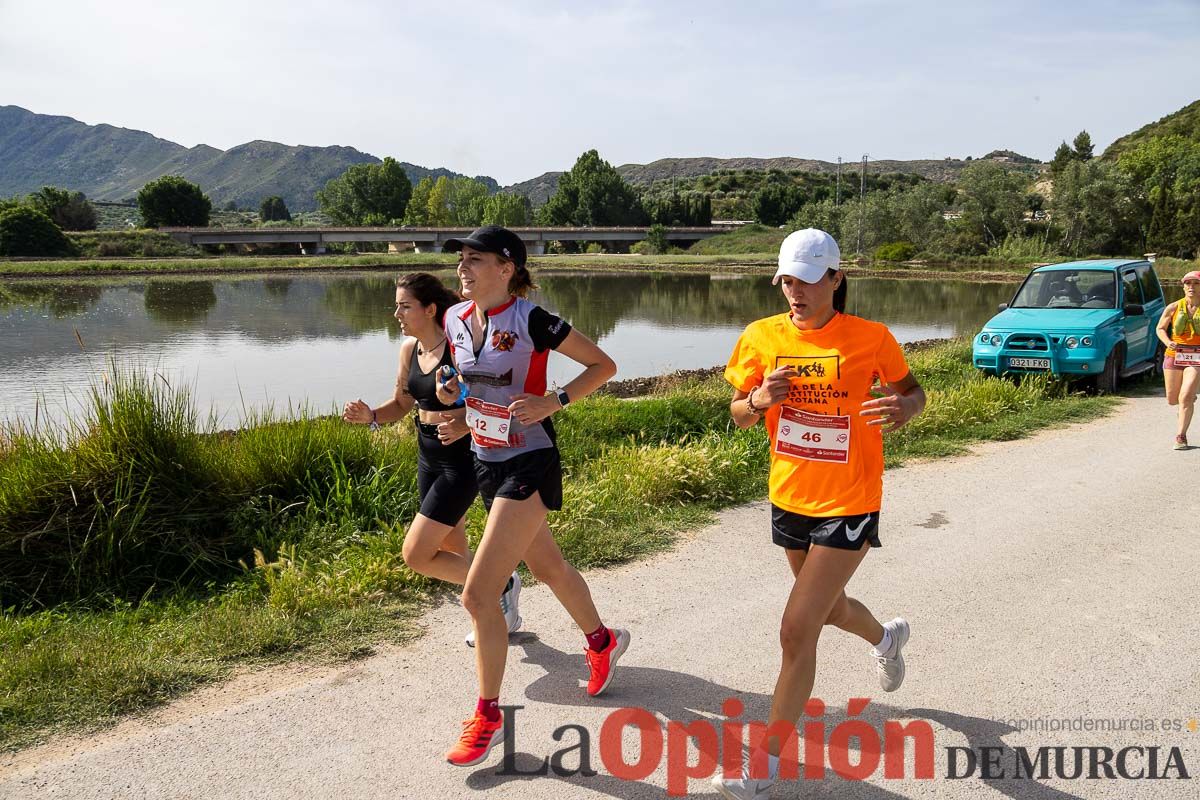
(520, 476)
(446, 480)
(797, 532)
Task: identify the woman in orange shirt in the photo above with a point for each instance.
(809, 373)
(1179, 330)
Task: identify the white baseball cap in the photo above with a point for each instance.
(807, 255)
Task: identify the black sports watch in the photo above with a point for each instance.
(562, 398)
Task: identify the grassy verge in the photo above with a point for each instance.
(119, 550)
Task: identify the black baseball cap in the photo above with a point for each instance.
(491, 239)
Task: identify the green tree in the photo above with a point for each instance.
(656, 238)
(1095, 210)
(1165, 172)
(592, 193)
(775, 202)
(367, 194)
(1063, 156)
(70, 211)
(509, 210)
(993, 200)
(173, 201)
(1083, 146)
(273, 209)
(437, 208)
(25, 231)
(465, 201)
(417, 213)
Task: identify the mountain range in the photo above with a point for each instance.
(110, 163)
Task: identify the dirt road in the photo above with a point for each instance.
(1045, 580)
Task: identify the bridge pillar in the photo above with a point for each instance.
(428, 247)
(401, 247)
(312, 248)
(535, 248)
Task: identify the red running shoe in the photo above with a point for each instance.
(602, 664)
(478, 738)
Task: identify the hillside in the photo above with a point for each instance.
(110, 163)
(539, 189)
(1185, 122)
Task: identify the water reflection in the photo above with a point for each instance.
(249, 342)
(180, 301)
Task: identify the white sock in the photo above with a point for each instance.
(885, 644)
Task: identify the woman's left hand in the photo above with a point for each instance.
(532, 408)
(893, 410)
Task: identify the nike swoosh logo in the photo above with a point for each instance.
(852, 534)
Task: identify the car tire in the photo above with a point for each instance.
(1160, 353)
(1107, 381)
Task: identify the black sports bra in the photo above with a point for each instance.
(423, 385)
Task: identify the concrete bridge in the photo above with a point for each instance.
(312, 241)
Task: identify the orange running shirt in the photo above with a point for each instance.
(825, 460)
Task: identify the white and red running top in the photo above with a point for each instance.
(512, 360)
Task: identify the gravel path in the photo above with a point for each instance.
(1054, 577)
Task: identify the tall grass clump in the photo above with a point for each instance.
(125, 501)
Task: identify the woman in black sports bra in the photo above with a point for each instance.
(436, 544)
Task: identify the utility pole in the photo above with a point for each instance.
(862, 202)
(837, 198)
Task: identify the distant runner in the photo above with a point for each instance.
(436, 543)
(809, 373)
(501, 344)
(1179, 330)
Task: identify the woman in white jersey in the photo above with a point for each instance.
(809, 374)
(501, 343)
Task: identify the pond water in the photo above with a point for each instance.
(316, 340)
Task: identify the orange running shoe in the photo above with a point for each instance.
(478, 738)
(602, 664)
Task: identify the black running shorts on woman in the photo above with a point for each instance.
(520, 476)
(797, 532)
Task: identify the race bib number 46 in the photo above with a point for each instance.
(489, 423)
(813, 437)
(1187, 356)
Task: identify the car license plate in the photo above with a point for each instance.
(1030, 363)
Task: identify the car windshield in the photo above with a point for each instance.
(1067, 288)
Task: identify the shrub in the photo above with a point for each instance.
(656, 237)
(27, 232)
(895, 251)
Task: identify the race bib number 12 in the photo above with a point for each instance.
(813, 437)
(489, 423)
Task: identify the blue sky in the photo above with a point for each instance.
(515, 89)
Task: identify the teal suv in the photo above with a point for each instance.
(1084, 318)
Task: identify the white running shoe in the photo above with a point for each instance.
(891, 667)
(508, 604)
(742, 788)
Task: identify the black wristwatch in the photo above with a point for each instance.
(562, 398)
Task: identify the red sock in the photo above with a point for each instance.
(598, 639)
(489, 708)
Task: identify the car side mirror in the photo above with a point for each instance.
(1002, 307)
(1134, 310)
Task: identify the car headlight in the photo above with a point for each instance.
(1086, 341)
(1071, 342)
(984, 338)
(996, 340)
